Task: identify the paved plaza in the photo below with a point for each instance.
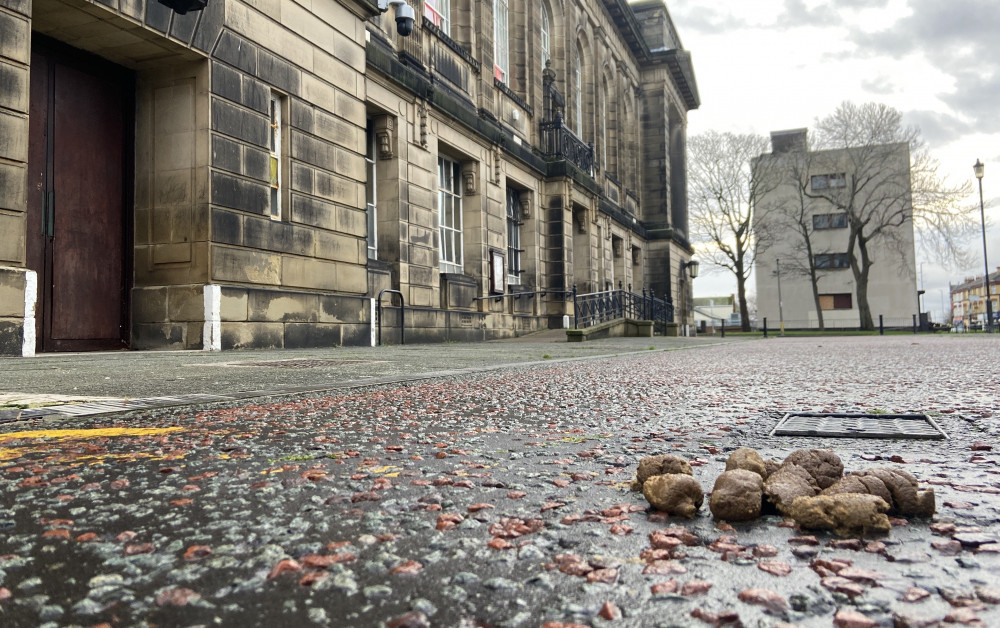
(482, 485)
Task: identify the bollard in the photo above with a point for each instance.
(914, 323)
(765, 327)
(881, 327)
(722, 325)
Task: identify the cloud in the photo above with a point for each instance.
(704, 19)
(937, 128)
(957, 42)
(880, 85)
(797, 14)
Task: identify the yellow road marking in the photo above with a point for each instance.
(91, 433)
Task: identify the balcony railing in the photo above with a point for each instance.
(561, 143)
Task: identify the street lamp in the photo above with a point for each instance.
(978, 169)
(692, 268)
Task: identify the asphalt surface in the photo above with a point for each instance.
(487, 484)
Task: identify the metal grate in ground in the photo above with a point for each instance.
(858, 425)
(298, 364)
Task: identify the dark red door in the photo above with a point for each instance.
(78, 173)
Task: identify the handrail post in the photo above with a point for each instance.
(402, 315)
(576, 310)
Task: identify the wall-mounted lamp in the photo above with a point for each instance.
(183, 6)
(692, 268)
(404, 15)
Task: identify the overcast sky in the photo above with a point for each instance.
(769, 65)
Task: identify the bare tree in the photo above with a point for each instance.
(800, 216)
(725, 184)
(889, 179)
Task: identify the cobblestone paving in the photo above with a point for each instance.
(501, 499)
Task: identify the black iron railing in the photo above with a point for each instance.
(601, 307)
(561, 143)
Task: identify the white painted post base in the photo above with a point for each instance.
(30, 299)
(211, 337)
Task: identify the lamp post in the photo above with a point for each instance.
(978, 169)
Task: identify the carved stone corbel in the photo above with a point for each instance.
(496, 165)
(424, 123)
(470, 178)
(385, 136)
(526, 202)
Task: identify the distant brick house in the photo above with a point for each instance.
(256, 174)
(968, 305)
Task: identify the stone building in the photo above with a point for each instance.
(259, 172)
(810, 198)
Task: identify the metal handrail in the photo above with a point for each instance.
(518, 295)
(402, 316)
(598, 307)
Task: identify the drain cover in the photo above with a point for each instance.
(851, 425)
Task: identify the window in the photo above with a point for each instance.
(450, 214)
(832, 260)
(275, 105)
(438, 11)
(546, 51)
(501, 61)
(830, 221)
(841, 301)
(825, 181)
(513, 236)
(371, 208)
(604, 125)
(578, 90)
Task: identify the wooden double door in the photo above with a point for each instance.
(80, 160)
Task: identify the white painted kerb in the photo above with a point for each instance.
(211, 337)
(30, 299)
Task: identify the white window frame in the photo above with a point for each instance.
(449, 213)
(514, 236)
(276, 103)
(578, 87)
(501, 41)
(371, 196)
(604, 125)
(439, 13)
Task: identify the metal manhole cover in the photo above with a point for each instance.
(301, 364)
(856, 425)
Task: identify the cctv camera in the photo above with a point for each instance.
(404, 19)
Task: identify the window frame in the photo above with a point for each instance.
(828, 181)
(832, 261)
(449, 232)
(546, 36)
(275, 121)
(836, 301)
(371, 190)
(822, 222)
(439, 14)
(514, 223)
(578, 91)
(501, 41)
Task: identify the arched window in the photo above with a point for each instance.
(604, 124)
(546, 51)
(578, 91)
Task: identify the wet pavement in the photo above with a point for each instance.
(472, 485)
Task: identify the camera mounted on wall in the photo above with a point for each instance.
(404, 15)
